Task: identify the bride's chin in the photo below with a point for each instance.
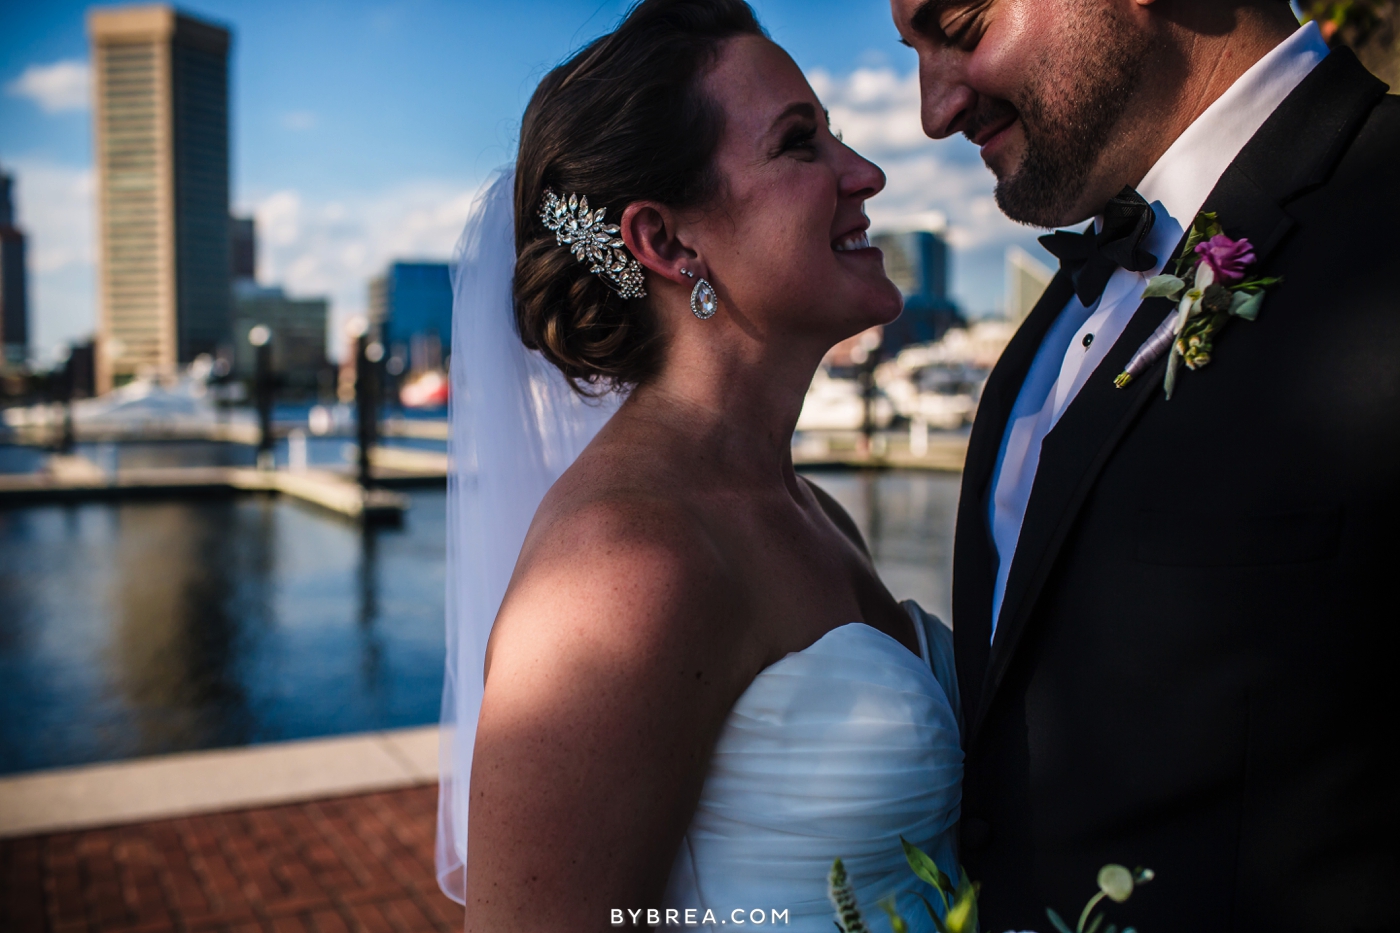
(886, 307)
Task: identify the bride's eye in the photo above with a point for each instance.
(801, 140)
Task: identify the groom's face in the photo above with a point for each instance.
(1039, 85)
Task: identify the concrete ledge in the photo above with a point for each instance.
(223, 779)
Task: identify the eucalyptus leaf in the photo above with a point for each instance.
(1248, 308)
(1173, 362)
(1164, 286)
(1055, 920)
(926, 868)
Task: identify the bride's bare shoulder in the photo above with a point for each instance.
(614, 564)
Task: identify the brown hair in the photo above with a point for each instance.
(623, 120)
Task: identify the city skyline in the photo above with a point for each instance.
(360, 132)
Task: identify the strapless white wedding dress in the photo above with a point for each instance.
(834, 751)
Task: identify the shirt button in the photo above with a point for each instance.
(1088, 340)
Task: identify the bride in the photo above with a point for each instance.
(696, 692)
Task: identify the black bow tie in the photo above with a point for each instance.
(1090, 258)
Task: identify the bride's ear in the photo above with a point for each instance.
(649, 230)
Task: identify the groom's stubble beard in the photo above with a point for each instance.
(1068, 112)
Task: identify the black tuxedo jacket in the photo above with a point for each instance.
(1197, 665)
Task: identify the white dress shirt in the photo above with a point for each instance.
(1176, 187)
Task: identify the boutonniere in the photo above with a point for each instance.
(1211, 285)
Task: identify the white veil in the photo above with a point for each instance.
(516, 426)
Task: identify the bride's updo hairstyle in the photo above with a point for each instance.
(624, 120)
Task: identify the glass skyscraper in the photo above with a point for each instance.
(917, 262)
(411, 305)
(162, 139)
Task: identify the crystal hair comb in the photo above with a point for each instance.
(593, 242)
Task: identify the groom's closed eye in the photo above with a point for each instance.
(955, 22)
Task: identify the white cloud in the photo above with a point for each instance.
(56, 88)
(310, 246)
(334, 247)
(876, 109)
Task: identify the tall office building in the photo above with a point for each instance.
(14, 302)
(411, 307)
(160, 107)
(917, 262)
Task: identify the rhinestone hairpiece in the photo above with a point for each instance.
(593, 242)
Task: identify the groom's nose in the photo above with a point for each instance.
(945, 100)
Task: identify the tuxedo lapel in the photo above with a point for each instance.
(974, 561)
(1294, 151)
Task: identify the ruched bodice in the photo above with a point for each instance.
(834, 751)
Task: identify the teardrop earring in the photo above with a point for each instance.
(703, 300)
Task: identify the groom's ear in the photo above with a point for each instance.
(650, 231)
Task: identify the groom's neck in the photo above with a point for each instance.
(1203, 48)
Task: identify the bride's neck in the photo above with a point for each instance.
(739, 408)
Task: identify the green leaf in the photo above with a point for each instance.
(962, 916)
(1173, 364)
(926, 868)
(1094, 924)
(1203, 228)
(1265, 282)
(1164, 286)
(1248, 306)
(897, 923)
(1055, 920)
(1117, 882)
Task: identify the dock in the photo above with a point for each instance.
(70, 479)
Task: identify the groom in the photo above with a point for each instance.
(1177, 619)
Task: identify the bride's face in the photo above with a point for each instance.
(786, 244)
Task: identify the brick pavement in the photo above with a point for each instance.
(347, 865)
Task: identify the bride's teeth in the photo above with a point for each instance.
(852, 242)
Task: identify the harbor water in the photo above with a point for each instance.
(136, 629)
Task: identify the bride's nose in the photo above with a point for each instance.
(860, 178)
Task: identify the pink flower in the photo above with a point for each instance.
(1227, 258)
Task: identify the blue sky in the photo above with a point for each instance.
(360, 130)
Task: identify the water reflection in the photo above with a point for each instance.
(144, 628)
(140, 629)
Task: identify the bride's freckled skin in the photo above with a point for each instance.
(681, 555)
